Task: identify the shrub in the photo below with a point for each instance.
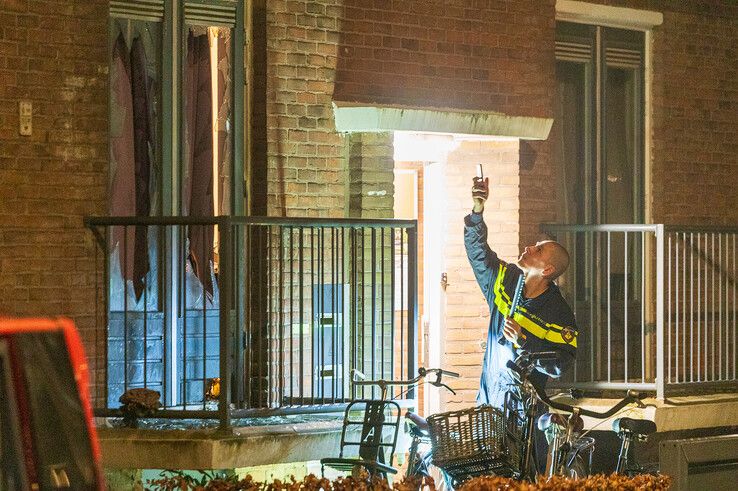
(210, 482)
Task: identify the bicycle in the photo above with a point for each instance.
(377, 412)
(570, 451)
(485, 440)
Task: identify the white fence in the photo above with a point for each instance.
(656, 306)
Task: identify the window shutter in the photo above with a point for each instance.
(150, 10)
(623, 58)
(212, 13)
(570, 51)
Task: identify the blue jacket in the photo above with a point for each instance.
(547, 322)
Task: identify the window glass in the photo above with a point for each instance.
(570, 129)
(206, 177)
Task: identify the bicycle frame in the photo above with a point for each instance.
(514, 406)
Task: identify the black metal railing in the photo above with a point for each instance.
(231, 317)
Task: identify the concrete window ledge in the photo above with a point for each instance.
(605, 15)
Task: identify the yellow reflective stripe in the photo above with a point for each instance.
(551, 332)
(501, 283)
(550, 325)
(499, 292)
(540, 332)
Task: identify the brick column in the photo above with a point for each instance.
(370, 175)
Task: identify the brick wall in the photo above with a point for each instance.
(448, 53)
(306, 170)
(56, 176)
(695, 118)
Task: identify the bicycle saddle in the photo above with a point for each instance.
(418, 423)
(638, 426)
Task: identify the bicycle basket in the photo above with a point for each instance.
(473, 442)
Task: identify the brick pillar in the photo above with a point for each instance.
(370, 175)
(301, 170)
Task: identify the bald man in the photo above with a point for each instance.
(543, 321)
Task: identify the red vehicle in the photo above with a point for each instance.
(46, 426)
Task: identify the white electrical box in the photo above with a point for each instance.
(25, 113)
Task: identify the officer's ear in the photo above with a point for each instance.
(549, 272)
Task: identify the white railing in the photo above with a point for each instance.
(655, 305)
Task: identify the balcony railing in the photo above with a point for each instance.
(655, 304)
(274, 312)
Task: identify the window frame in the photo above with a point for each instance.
(590, 46)
(175, 18)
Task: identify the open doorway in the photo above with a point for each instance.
(433, 175)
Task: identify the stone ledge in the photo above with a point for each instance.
(213, 449)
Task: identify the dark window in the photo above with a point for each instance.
(599, 123)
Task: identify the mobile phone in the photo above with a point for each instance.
(480, 174)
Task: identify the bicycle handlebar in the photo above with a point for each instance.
(358, 378)
(631, 397)
(448, 373)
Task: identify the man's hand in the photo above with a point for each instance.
(480, 193)
(512, 331)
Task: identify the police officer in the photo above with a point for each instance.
(543, 321)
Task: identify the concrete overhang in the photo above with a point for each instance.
(357, 117)
(605, 15)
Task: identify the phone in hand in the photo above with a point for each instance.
(480, 173)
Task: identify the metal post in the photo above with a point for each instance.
(660, 312)
(226, 293)
(241, 306)
(412, 302)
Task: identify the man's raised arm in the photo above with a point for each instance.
(483, 260)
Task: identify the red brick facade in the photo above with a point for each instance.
(53, 54)
(495, 55)
(694, 156)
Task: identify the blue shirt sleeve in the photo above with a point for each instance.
(483, 260)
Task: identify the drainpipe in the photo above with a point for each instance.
(247, 98)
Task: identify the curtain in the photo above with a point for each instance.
(198, 186)
(130, 141)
